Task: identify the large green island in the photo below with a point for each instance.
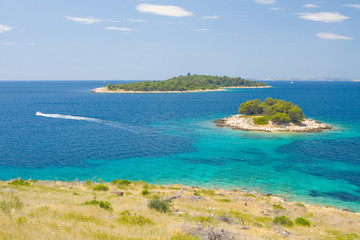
(188, 83)
(272, 115)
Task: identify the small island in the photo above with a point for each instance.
(272, 115)
(188, 83)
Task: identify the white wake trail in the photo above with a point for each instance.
(109, 123)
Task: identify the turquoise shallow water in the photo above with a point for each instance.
(169, 138)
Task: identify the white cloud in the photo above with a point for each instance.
(123, 29)
(327, 17)
(5, 28)
(31, 43)
(310, 5)
(136, 20)
(202, 30)
(332, 36)
(8, 43)
(265, 1)
(210, 17)
(84, 20)
(276, 8)
(165, 10)
(352, 5)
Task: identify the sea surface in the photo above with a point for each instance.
(170, 138)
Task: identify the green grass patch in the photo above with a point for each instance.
(302, 221)
(105, 205)
(338, 235)
(182, 236)
(300, 205)
(223, 200)
(278, 206)
(136, 220)
(283, 220)
(249, 195)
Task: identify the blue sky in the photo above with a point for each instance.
(159, 39)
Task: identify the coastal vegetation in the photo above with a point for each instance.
(186, 83)
(75, 210)
(274, 110)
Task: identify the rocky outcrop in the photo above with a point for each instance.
(246, 123)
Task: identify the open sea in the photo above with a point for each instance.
(170, 138)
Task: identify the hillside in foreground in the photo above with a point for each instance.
(137, 210)
(182, 84)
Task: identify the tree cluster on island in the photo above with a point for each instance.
(274, 110)
(186, 83)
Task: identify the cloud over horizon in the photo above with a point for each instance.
(210, 17)
(265, 1)
(357, 6)
(326, 17)
(164, 10)
(122, 29)
(84, 20)
(310, 5)
(332, 36)
(5, 28)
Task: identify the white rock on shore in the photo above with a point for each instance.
(247, 124)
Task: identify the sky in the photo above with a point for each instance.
(160, 39)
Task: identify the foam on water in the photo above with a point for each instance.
(126, 127)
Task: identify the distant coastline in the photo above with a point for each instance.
(106, 90)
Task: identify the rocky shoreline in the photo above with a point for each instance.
(241, 122)
(105, 90)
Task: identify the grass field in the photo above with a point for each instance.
(74, 210)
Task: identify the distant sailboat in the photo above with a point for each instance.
(292, 82)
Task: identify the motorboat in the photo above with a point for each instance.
(38, 113)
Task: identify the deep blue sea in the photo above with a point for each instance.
(170, 138)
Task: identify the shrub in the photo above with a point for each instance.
(121, 182)
(145, 192)
(19, 182)
(88, 183)
(159, 205)
(105, 205)
(302, 221)
(126, 218)
(34, 181)
(101, 187)
(283, 220)
(261, 120)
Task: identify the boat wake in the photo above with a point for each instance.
(123, 126)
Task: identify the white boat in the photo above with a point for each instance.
(38, 113)
(292, 82)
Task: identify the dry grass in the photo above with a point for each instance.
(55, 210)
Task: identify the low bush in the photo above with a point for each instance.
(121, 182)
(299, 204)
(19, 182)
(261, 120)
(283, 220)
(159, 205)
(105, 205)
(302, 221)
(145, 192)
(101, 187)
